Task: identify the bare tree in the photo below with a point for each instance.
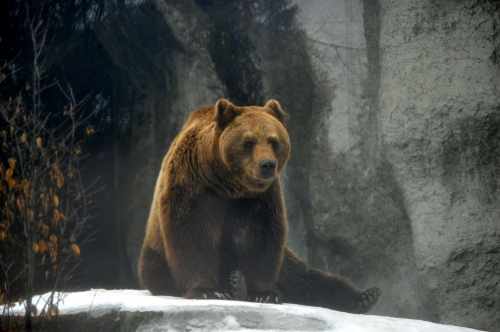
(43, 201)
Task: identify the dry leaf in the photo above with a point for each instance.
(30, 215)
(57, 176)
(53, 238)
(57, 216)
(20, 204)
(45, 201)
(60, 181)
(44, 229)
(76, 249)
(36, 248)
(89, 131)
(78, 150)
(11, 183)
(42, 246)
(26, 186)
(12, 163)
(24, 138)
(55, 200)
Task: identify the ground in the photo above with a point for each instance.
(137, 310)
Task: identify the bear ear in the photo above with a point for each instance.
(225, 112)
(274, 108)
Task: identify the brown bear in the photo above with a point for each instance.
(218, 208)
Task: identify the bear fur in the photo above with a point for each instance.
(218, 211)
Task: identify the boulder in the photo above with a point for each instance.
(136, 310)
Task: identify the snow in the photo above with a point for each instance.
(201, 315)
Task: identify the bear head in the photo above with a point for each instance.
(253, 144)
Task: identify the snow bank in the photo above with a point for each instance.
(136, 310)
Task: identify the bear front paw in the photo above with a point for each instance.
(238, 286)
(207, 294)
(367, 299)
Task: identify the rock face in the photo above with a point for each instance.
(395, 128)
(405, 194)
(440, 122)
(132, 310)
(359, 213)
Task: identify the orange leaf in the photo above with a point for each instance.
(20, 203)
(57, 176)
(89, 131)
(53, 238)
(26, 186)
(11, 182)
(76, 249)
(12, 163)
(9, 174)
(42, 246)
(44, 229)
(35, 248)
(55, 200)
(57, 216)
(59, 180)
(39, 142)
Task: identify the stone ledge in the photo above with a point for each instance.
(137, 310)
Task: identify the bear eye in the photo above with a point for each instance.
(248, 144)
(274, 142)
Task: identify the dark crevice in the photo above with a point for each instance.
(232, 50)
(376, 162)
(371, 87)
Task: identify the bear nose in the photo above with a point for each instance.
(267, 167)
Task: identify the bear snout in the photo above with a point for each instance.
(267, 168)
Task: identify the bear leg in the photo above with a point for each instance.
(154, 273)
(303, 285)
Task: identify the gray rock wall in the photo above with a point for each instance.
(360, 220)
(405, 193)
(395, 125)
(440, 112)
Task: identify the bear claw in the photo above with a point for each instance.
(266, 298)
(207, 294)
(368, 298)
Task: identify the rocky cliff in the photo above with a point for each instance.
(395, 125)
